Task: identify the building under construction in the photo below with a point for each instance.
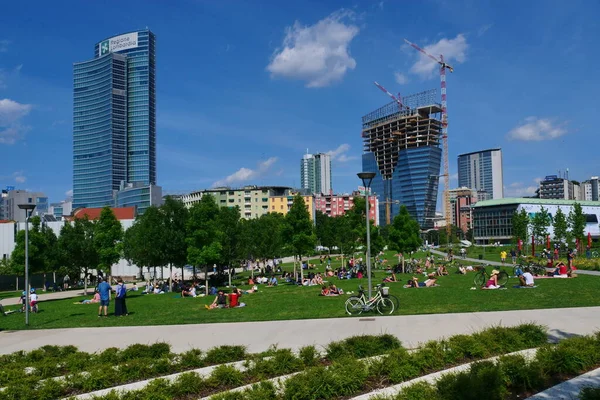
(402, 145)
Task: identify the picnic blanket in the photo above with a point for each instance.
(524, 287)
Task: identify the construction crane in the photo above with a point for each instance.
(443, 67)
(396, 99)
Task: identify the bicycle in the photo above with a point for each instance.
(391, 296)
(356, 305)
(482, 277)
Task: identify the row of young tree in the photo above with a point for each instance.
(202, 236)
(566, 228)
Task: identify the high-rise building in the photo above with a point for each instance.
(590, 189)
(315, 173)
(402, 146)
(114, 118)
(482, 170)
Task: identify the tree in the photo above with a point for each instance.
(299, 233)
(324, 229)
(268, 235)
(560, 226)
(77, 248)
(576, 222)
(42, 249)
(539, 225)
(175, 216)
(231, 236)
(404, 235)
(108, 240)
(520, 226)
(145, 243)
(203, 235)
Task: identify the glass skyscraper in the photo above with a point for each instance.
(114, 119)
(402, 146)
(482, 170)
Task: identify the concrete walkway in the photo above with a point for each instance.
(67, 294)
(499, 264)
(258, 336)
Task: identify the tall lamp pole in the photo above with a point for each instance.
(367, 178)
(28, 210)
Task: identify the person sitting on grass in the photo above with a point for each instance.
(95, 299)
(461, 270)
(220, 301)
(391, 278)
(492, 283)
(526, 278)
(442, 270)
(189, 292)
(272, 281)
(561, 269)
(325, 291)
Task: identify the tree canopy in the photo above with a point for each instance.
(404, 233)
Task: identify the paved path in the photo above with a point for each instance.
(67, 294)
(258, 336)
(496, 263)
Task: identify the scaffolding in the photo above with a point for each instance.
(390, 129)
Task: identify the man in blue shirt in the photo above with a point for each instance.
(104, 290)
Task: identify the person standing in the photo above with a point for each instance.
(513, 255)
(104, 290)
(503, 256)
(121, 293)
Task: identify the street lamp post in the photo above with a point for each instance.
(28, 210)
(367, 178)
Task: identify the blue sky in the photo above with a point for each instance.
(245, 88)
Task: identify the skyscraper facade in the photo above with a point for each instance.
(315, 173)
(402, 146)
(482, 170)
(114, 119)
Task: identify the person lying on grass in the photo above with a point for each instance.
(334, 289)
(492, 283)
(391, 278)
(414, 282)
(95, 299)
(526, 278)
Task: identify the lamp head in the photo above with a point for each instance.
(27, 206)
(367, 178)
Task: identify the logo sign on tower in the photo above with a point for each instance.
(118, 43)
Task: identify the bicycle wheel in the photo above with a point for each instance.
(354, 306)
(479, 279)
(395, 300)
(502, 278)
(385, 306)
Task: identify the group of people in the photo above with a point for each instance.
(227, 300)
(102, 295)
(331, 290)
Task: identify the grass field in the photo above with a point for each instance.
(292, 302)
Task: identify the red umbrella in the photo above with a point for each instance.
(533, 245)
(589, 240)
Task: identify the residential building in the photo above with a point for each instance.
(315, 173)
(138, 195)
(492, 219)
(253, 201)
(335, 205)
(402, 146)
(461, 200)
(482, 170)
(554, 187)
(590, 188)
(114, 118)
(3, 196)
(13, 198)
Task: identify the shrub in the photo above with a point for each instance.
(464, 347)
(522, 375)
(532, 335)
(483, 381)
(590, 393)
(225, 376)
(418, 391)
(309, 356)
(314, 383)
(225, 354)
(282, 362)
(397, 366)
(186, 384)
(569, 357)
(430, 357)
(362, 346)
(191, 359)
(50, 389)
(154, 351)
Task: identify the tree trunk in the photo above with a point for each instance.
(54, 277)
(205, 279)
(295, 272)
(17, 284)
(44, 287)
(403, 263)
(301, 269)
(170, 277)
(85, 272)
(229, 275)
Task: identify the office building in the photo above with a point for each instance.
(589, 189)
(13, 198)
(402, 146)
(138, 195)
(114, 119)
(554, 187)
(334, 205)
(482, 170)
(492, 219)
(461, 200)
(62, 209)
(315, 173)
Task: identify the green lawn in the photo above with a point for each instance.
(292, 302)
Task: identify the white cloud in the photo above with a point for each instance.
(4, 45)
(453, 50)
(484, 29)
(520, 189)
(401, 79)
(245, 174)
(11, 113)
(69, 193)
(317, 54)
(537, 129)
(20, 179)
(340, 155)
